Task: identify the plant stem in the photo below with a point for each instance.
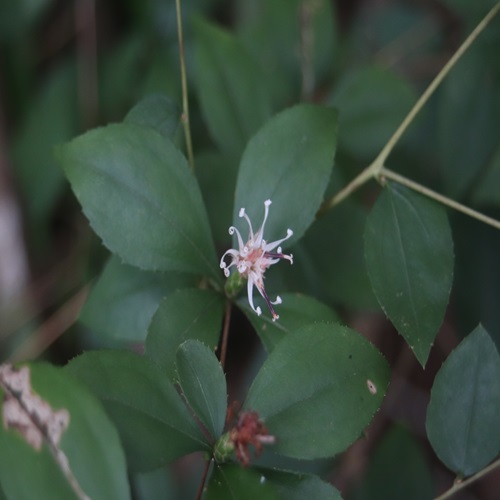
(373, 170)
(389, 174)
(225, 333)
(458, 485)
(435, 84)
(185, 102)
(199, 493)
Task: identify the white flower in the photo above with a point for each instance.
(254, 257)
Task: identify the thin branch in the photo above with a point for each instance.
(434, 85)
(203, 480)
(459, 485)
(389, 174)
(225, 333)
(52, 328)
(373, 170)
(185, 102)
(86, 46)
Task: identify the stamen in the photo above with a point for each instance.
(242, 213)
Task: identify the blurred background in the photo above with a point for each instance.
(67, 66)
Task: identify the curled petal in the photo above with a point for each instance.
(250, 296)
(274, 244)
(243, 214)
(242, 247)
(260, 233)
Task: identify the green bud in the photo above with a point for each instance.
(233, 285)
(223, 448)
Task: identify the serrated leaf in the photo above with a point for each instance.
(372, 102)
(462, 417)
(326, 372)
(123, 300)
(158, 112)
(289, 161)
(56, 441)
(295, 312)
(154, 424)
(141, 198)
(298, 486)
(233, 93)
(203, 384)
(409, 257)
(185, 314)
(233, 482)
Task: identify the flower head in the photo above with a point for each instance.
(249, 430)
(252, 259)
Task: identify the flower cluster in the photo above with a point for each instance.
(252, 259)
(250, 430)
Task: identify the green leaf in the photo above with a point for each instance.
(233, 92)
(124, 299)
(297, 486)
(154, 424)
(185, 314)
(141, 198)
(333, 258)
(409, 256)
(85, 456)
(288, 161)
(462, 417)
(372, 102)
(203, 384)
(295, 312)
(410, 477)
(233, 482)
(325, 372)
(158, 112)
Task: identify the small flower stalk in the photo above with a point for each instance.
(252, 259)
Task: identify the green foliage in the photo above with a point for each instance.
(266, 403)
(462, 418)
(132, 181)
(409, 255)
(324, 370)
(289, 160)
(154, 424)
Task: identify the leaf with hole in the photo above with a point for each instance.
(324, 372)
